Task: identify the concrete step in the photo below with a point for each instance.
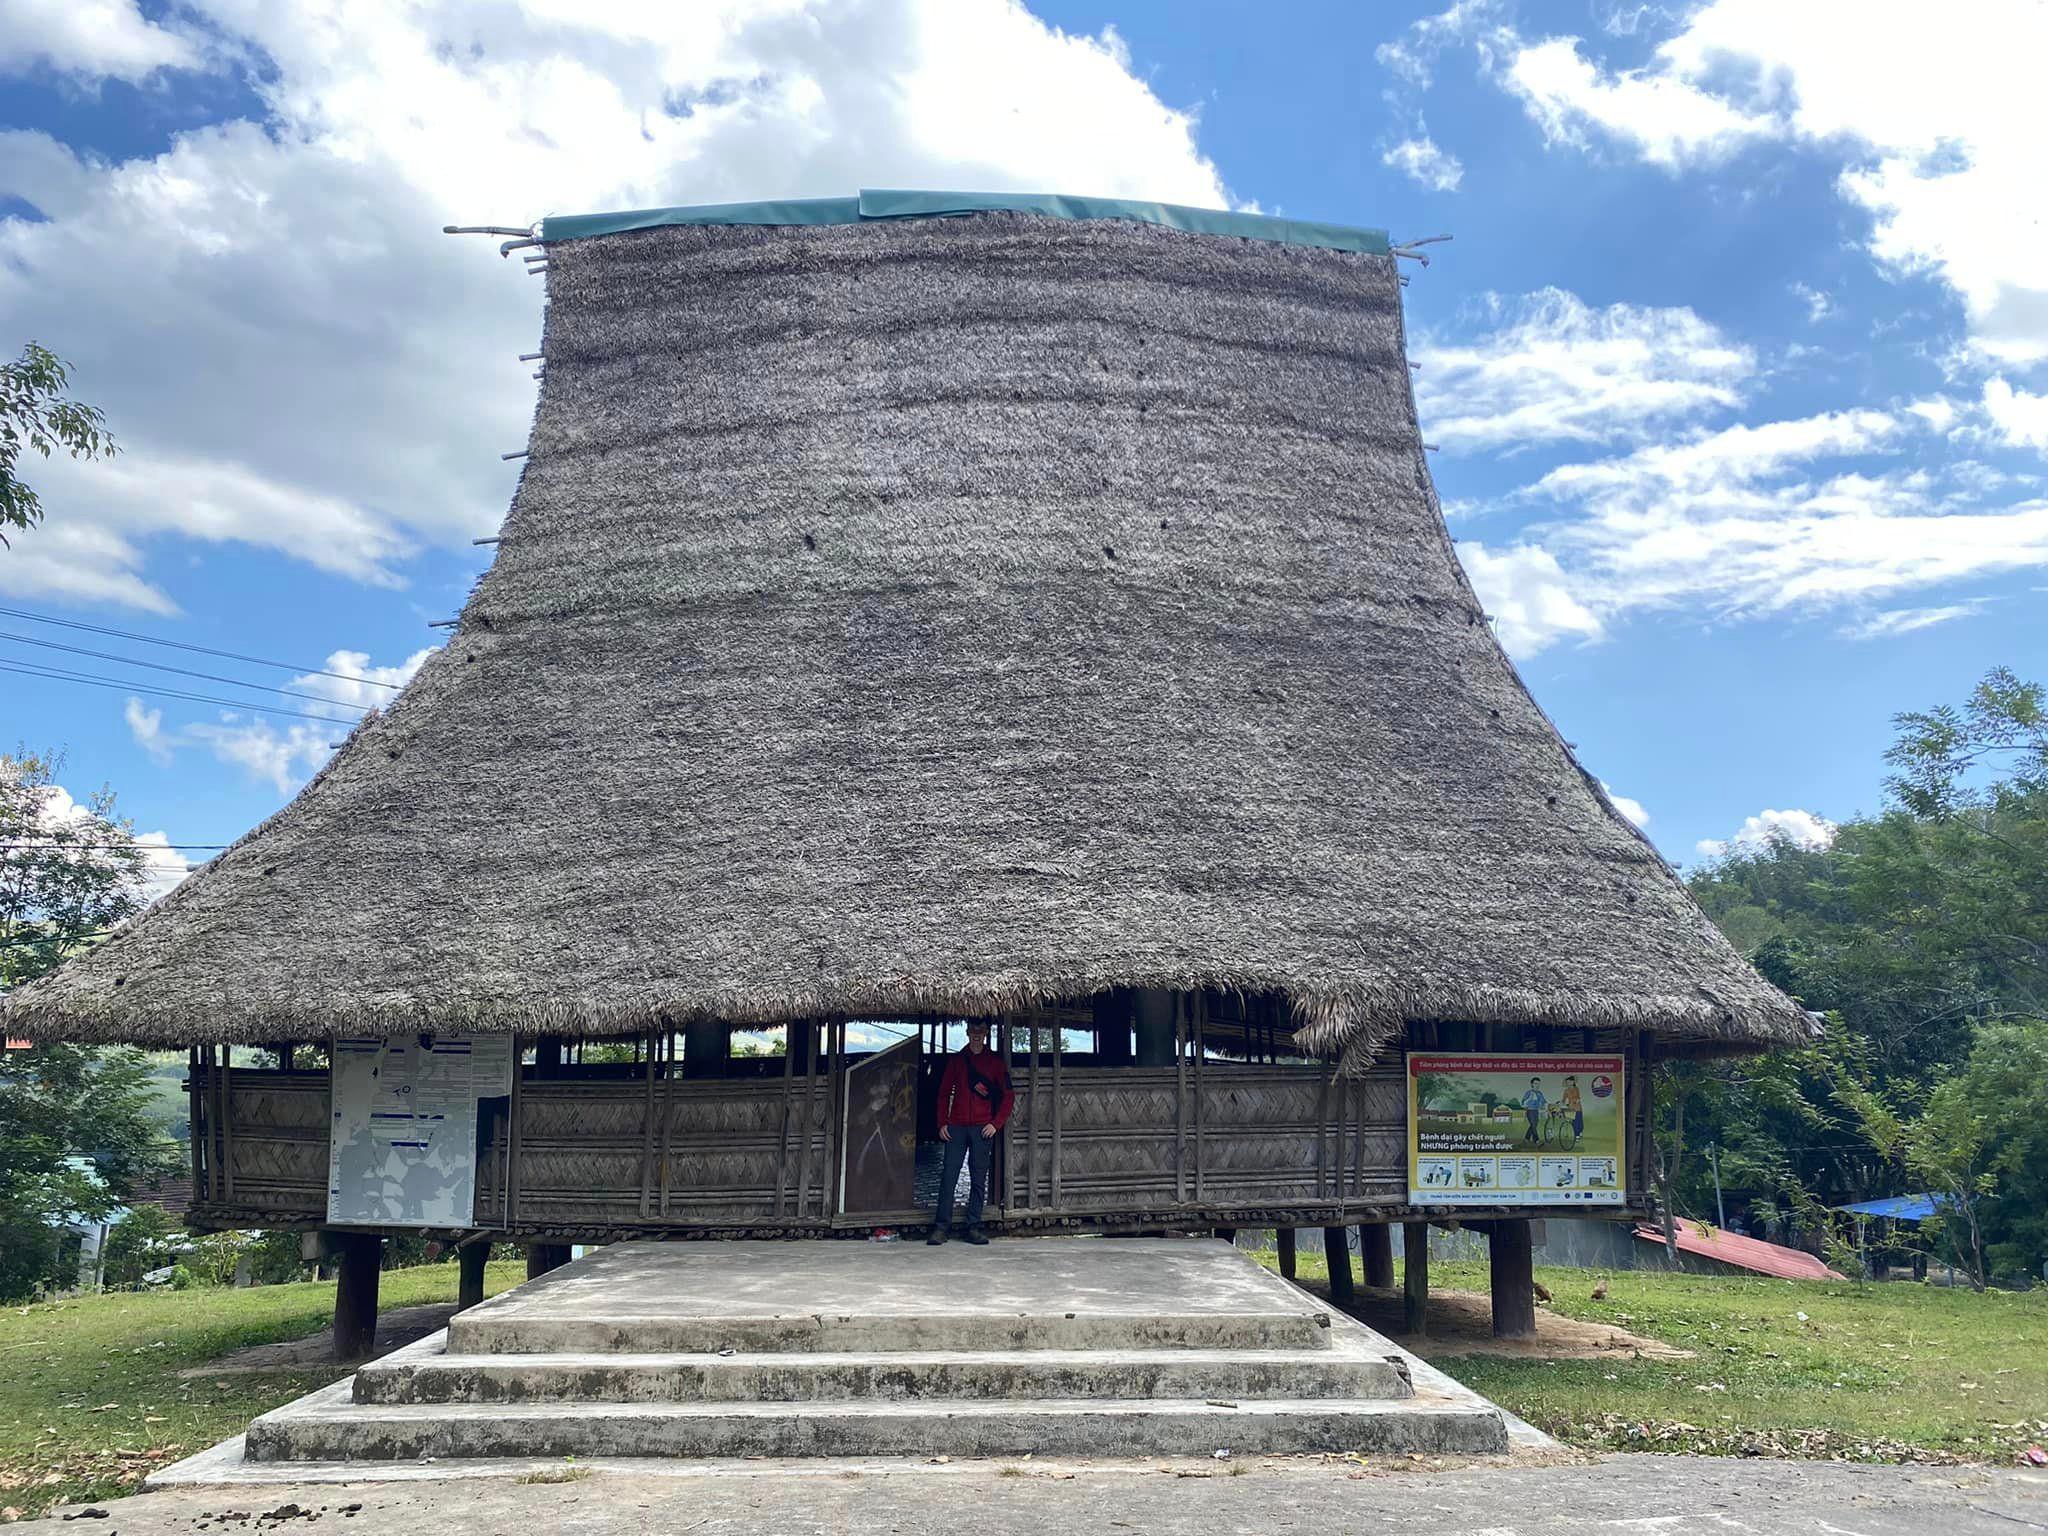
(1059, 1293)
(1156, 1374)
(480, 1332)
(327, 1426)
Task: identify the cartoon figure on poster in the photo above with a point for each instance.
(1516, 1129)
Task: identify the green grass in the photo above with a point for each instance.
(1882, 1372)
(90, 1397)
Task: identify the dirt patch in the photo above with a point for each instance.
(395, 1329)
(1461, 1323)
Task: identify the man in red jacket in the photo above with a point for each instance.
(974, 1104)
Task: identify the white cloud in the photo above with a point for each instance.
(1747, 522)
(1802, 829)
(147, 727)
(1935, 127)
(58, 810)
(1632, 809)
(1423, 162)
(1528, 597)
(162, 865)
(294, 356)
(1904, 621)
(1412, 56)
(2018, 419)
(286, 755)
(1818, 304)
(68, 557)
(97, 39)
(1664, 117)
(1938, 411)
(1550, 367)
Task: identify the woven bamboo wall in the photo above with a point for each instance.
(1242, 1143)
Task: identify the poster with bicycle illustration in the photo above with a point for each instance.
(1515, 1129)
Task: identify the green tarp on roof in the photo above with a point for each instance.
(882, 204)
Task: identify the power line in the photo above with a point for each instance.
(159, 666)
(106, 848)
(203, 650)
(122, 685)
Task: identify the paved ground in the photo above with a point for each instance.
(1619, 1496)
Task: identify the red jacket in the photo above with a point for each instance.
(960, 1104)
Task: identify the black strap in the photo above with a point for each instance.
(982, 1085)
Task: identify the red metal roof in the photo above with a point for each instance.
(1750, 1253)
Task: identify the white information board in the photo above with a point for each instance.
(401, 1146)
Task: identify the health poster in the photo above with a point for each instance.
(1516, 1130)
(402, 1147)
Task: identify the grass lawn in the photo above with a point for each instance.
(1891, 1372)
(90, 1397)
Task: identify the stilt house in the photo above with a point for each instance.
(917, 608)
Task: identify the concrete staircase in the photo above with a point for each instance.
(1054, 1346)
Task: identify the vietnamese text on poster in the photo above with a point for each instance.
(402, 1147)
(1516, 1129)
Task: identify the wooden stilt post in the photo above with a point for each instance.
(1415, 1278)
(470, 1260)
(1337, 1251)
(355, 1294)
(542, 1257)
(1285, 1239)
(1376, 1253)
(1514, 1279)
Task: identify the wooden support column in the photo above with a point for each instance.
(1415, 1278)
(1284, 1237)
(542, 1257)
(1337, 1252)
(1513, 1253)
(355, 1293)
(470, 1260)
(1376, 1254)
(704, 1049)
(1156, 1017)
(1113, 1028)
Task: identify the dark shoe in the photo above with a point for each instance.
(977, 1237)
(938, 1236)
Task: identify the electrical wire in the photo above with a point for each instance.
(94, 680)
(159, 666)
(94, 848)
(203, 650)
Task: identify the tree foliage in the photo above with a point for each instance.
(77, 1128)
(1922, 933)
(37, 414)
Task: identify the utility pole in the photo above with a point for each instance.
(1720, 1210)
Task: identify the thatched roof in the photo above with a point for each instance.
(932, 615)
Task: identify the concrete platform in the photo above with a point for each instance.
(1017, 1293)
(1181, 1358)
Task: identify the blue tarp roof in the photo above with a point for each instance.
(1898, 1207)
(873, 203)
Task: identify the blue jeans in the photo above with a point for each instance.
(964, 1143)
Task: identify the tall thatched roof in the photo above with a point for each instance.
(928, 615)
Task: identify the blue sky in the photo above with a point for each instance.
(1737, 364)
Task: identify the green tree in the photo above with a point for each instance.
(1921, 932)
(36, 413)
(77, 1125)
(68, 872)
(144, 1239)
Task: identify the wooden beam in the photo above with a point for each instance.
(1376, 1254)
(1337, 1253)
(1514, 1279)
(470, 1259)
(542, 1257)
(1284, 1237)
(355, 1294)
(1415, 1278)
